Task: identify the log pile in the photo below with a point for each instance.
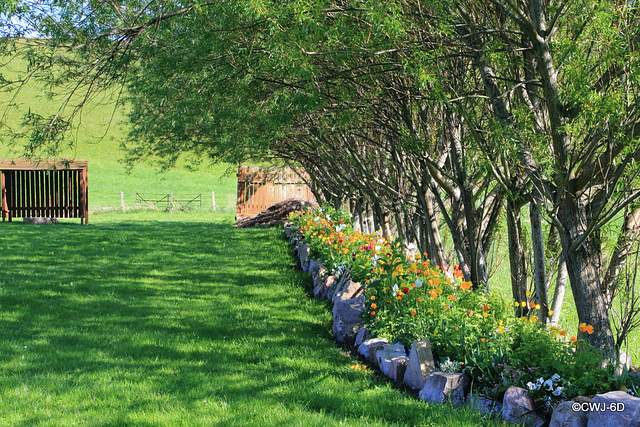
(275, 214)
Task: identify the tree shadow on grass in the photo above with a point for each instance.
(149, 314)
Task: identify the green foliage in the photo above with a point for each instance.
(407, 299)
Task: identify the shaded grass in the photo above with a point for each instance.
(173, 319)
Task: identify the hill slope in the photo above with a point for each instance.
(99, 131)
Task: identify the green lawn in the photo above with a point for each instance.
(154, 319)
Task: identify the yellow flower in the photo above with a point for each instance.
(485, 314)
(373, 297)
(550, 312)
(517, 304)
(528, 293)
(537, 306)
(501, 329)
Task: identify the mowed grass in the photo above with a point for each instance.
(168, 319)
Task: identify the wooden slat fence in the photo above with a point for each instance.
(46, 188)
(259, 188)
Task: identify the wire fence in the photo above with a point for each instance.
(127, 201)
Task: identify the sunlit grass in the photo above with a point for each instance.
(176, 319)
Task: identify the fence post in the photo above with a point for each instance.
(122, 200)
(213, 201)
(171, 200)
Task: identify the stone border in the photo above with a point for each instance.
(416, 368)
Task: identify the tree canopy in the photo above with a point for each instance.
(414, 113)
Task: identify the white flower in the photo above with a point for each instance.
(549, 384)
(375, 259)
(395, 289)
(316, 219)
(341, 227)
(557, 392)
(377, 248)
(556, 377)
(533, 386)
(419, 283)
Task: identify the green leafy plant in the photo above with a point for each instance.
(407, 299)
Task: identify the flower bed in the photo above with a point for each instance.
(476, 333)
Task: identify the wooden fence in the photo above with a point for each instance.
(44, 188)
(259, 188)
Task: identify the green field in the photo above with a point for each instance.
(177, 319)
(99, 131)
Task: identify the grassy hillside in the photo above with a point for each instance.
(99, 131)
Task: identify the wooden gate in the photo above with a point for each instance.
(259, 188)
(44, 188)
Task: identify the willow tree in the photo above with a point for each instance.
(566, 107)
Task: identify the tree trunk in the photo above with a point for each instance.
(558, 294)
(582, 268)
(539, 260)
(477, 260)
(437, 253)
(517, 257)
(628, 235)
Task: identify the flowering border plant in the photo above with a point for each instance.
(409, 299)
